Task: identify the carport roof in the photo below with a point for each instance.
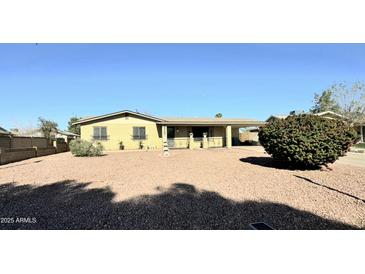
(212, 121)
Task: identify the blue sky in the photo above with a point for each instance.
(57, 81)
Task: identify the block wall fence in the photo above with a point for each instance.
(17, 148)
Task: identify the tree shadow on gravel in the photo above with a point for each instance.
(272, 163)
(72, 205)
(330, 188)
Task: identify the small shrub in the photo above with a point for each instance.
(307, 140)
(82, 148)
(98, 149)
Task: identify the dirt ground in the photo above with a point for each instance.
(203, 189)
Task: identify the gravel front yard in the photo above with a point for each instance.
(213, 189)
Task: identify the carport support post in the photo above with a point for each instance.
(228, 136)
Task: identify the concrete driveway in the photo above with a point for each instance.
(353, 159)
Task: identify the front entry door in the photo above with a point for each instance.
(170, 137)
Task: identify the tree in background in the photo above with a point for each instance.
(219, 115)
(74, 128)
(325, 102)
(348, 101)
(47, 127)
(351, 100)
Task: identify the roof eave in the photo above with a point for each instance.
(83, 121)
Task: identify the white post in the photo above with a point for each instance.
(164, 141)
(191, 141)
(164, 134)
(205, 140)
(229, 136)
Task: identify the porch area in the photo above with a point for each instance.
(195, 137)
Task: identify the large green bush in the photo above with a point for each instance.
(82, 148)
(307, 140)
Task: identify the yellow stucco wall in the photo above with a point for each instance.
(218, 137)
(181, 142)
(181, 137)
(121, 129)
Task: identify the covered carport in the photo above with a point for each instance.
(182, 130)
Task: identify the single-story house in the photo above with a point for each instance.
(360, 128)
(4, 132)
(132, 130)
(66, 135)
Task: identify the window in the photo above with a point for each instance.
(139, 133)
(100, 133)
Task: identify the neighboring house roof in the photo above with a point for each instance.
(95, 118)
(3, 131)
(67, 133)
(276, 117)
(177, 121)
(324, 113)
